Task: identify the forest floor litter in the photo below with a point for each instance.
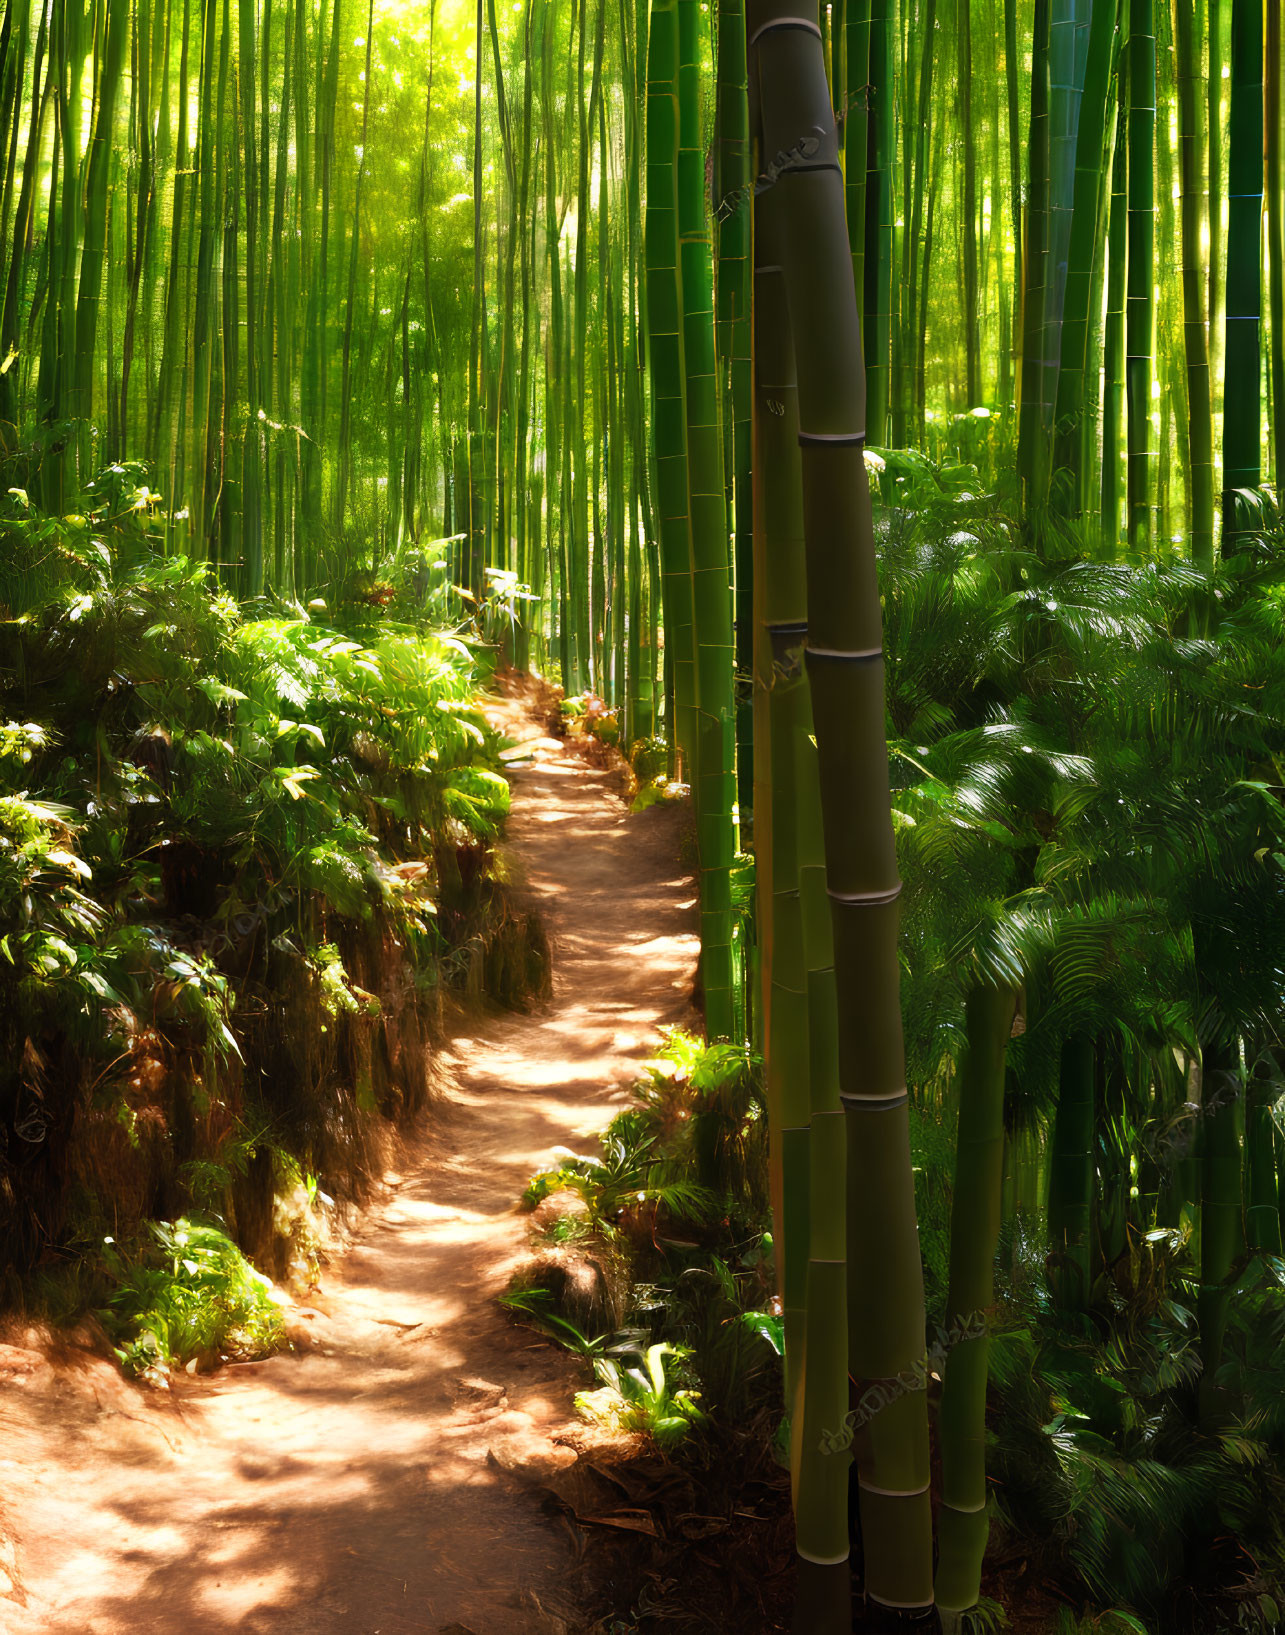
(385, 1476)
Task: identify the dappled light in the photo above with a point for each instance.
(348, 1485)
(642, 817)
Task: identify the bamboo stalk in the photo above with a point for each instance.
(1071, 1176)
(1114, 341)
(1242, 411)
(1191, 152)
(1069, 483)
(1139, 296)
(23, 214)
(885, 1288)
(879, 217)
(1222, 1228)
(1275, 236)
(665, 352)
(1031, 457)
(971, 316)
(732, 226)
(714, 787)
(974, 1237)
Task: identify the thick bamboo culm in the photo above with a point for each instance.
(845, 670)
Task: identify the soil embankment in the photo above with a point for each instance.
(362, 1485)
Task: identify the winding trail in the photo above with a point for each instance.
(361, 1485)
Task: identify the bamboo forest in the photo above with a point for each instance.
(642, 817)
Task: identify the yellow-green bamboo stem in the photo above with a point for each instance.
(714, 785)
(974, 1238)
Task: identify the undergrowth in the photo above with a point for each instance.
(660, 1238)
(188, 1298)
(1102, 1471)
(653, 1261)
(245, 855)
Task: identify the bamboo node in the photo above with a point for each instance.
(892, 1492)
(810, 170)
(861, 898)
(874, 1104)
(855, 655)
(805, 23)
(852, 439)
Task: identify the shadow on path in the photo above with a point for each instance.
(356, 1487)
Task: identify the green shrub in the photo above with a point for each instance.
(649, 758)
(643, 1397)
(188, 1298)
(679, 1188)
(222, 828)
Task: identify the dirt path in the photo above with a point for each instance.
(359, 1486)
